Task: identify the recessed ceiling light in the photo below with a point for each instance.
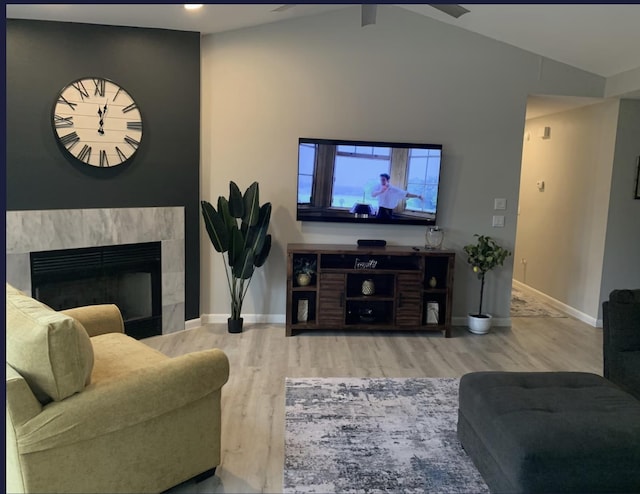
(192, 6)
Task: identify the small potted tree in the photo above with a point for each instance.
(239, 228)
(483, 256)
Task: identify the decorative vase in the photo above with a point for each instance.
(368, 287)
(434, 237)
(303, 310)
(234, 325)
(433, 282)
(479, 323)
(303, 279)
(433, 312)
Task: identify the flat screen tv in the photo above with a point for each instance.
(368, 182)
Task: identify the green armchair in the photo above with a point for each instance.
(90, 409)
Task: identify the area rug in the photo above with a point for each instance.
(369, 435)
(524, 305)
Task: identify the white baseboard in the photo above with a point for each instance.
(280, 319)
(496, 321)
(561, 306)
(193, 323)
(248, 318)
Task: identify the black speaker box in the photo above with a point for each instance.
(371, 243)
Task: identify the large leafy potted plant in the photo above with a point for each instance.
(239, 228)
(483, 256)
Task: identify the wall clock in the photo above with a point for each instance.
(97, 122)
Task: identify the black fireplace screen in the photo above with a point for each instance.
(126, 275)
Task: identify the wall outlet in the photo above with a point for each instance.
(498, 221)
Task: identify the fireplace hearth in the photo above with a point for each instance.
(126, 275)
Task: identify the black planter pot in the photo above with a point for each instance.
(234, 325)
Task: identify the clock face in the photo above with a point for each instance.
(97, 122)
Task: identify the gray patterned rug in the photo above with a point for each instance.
(370, 435)
(524, 305)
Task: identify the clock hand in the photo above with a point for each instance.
(102, 114)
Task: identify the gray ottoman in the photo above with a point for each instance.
(547, 432)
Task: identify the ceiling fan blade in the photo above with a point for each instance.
(368, 14)
(452, 9)
(284, 7)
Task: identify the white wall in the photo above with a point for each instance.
(407, 78)
(561, 230)
(621, 265)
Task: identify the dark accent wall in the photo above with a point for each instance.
(160, 69)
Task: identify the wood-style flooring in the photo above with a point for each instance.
(261, 357)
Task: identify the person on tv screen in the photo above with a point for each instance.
(389, 196)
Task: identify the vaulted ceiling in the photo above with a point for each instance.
(600, 38)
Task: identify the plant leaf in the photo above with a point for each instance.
(223, 210)
(236, 205)
(236, 245)
(251, 201)
(217, 230)
(243, 267)
(256, 234)
(261, 258)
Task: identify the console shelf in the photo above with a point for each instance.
(368, 288)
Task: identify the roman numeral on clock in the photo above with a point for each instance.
(104, 161)
(121, 155)
(62, 122)
(71, 104)
(81, 89)
(132, 142)
(129, 108)
(134, 125)
(85, 153)
(69, 140)
(100, 85)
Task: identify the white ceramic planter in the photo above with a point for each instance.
(479, 325)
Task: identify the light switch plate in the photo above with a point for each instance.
(499, 204)
(498, 221)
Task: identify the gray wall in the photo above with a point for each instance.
(621, 266)
(161, 69)
(406, 78)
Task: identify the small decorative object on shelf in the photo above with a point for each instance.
(433, 310)
(434, 237)
(433, 282)
(303, 310)
(303, 279)
(368, 287)
(304, 270)
(370, 264)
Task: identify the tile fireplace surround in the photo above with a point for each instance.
(34, 231)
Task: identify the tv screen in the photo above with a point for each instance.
(368, 182)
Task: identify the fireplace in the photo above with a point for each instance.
(57, 229)
(126, 275)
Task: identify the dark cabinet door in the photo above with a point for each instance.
(331, 300)
(409, 299)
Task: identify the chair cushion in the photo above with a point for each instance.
(50, 350)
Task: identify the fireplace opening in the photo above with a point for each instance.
(128, 276)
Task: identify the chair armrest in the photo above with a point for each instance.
(22, 404)
(148, 393)
(98, 319)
